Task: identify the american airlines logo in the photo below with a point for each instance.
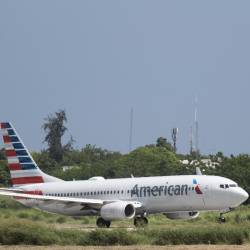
(167, 190)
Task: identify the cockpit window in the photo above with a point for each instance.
(228, 185)
(232, 185)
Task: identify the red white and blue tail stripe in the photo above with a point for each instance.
(23, 169)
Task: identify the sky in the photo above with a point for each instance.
(98, 59)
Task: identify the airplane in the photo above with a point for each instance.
(177, 197)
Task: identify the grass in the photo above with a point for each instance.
(142, 247)
(23, 231)
(19, 225)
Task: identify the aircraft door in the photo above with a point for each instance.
(206, 193)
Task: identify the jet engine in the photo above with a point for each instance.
(182, 215)
(117, 210)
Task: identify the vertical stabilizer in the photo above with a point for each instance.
(23, 168)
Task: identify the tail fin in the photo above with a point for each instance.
(23, 169)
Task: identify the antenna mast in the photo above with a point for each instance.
(191, 140)
(131, 129)
(197, 151)
(174, 138)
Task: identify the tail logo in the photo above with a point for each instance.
(197, 188)
(23, 169)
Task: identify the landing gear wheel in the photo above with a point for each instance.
(140, 221)
(108, 223)
(101, 223)
(222, 219)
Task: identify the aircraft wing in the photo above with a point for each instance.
(50, 198)
(96, 203)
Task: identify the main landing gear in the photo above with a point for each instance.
(140, 221)
(101, 223)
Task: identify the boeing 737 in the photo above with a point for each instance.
(177, 197)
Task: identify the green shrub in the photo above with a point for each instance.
(10, 203)
(12, 233)
(23, 215)
(16, 231)
(199, 236)
(85, 220)
(72, 237)
(61, 219)
(111, 237)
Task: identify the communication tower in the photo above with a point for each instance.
(196, 132)
(191, 140)
(131, 129)
(174, 138)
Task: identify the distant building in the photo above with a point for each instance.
(66, 168)
(205, 162)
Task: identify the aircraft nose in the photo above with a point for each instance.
(243, 195)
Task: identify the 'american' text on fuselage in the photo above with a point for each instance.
(170, 190)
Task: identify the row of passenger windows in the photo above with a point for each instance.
(227, 185)
(80, 194)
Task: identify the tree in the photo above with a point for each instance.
(54, 128)
(148, 161)
(162, 142)
(2, 154)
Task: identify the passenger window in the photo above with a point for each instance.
(227, 186)
(221, 186)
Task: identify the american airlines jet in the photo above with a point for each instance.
(178, 197)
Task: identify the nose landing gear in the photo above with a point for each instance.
(222, 219)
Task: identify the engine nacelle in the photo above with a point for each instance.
(182, 215)
(117, 211)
